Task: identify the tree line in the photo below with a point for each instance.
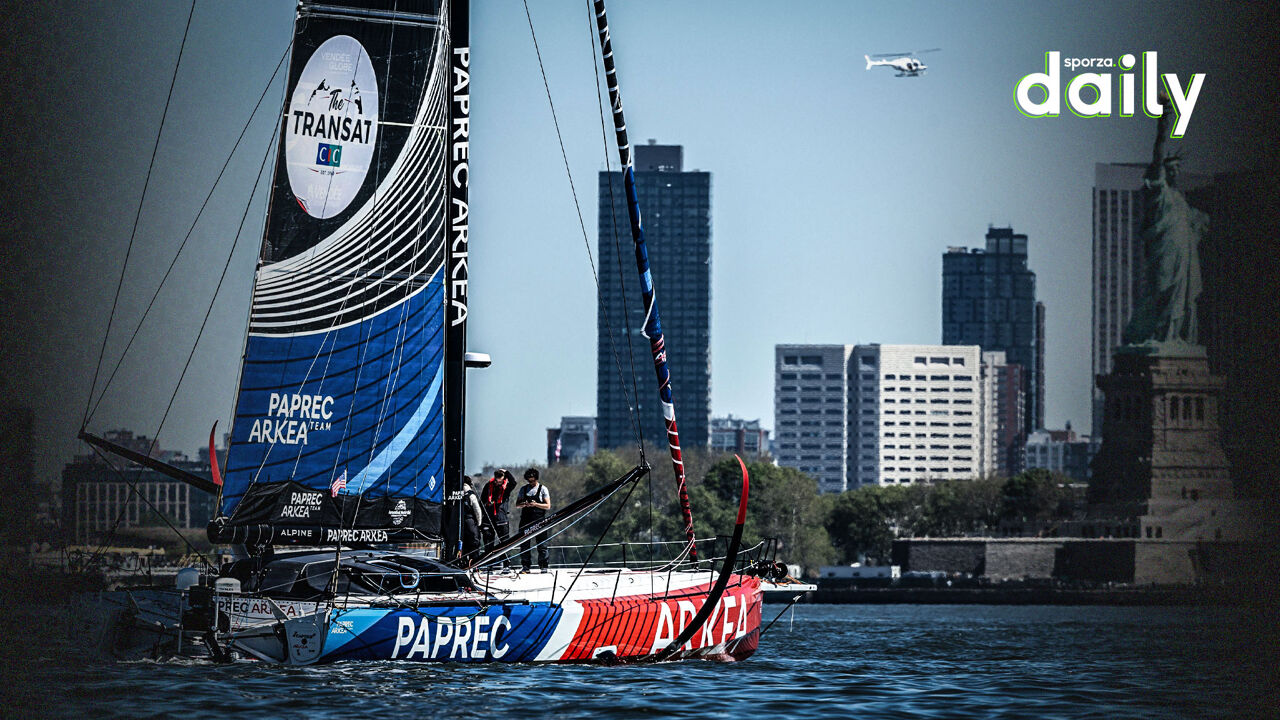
(641, 523)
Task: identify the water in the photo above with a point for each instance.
(892, 661)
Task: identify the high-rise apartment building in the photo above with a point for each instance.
(811, 403)
(676, 209)
(1117, 262)
(989, 299)
(1003, 414)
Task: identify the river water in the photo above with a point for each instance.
(888, 661)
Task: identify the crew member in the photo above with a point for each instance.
(471, 519)
(534, 500)
(494, 498)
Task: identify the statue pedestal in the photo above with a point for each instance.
(1161, 472)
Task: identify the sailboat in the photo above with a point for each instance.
(346, 450)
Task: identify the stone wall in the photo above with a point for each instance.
(1013, 560)
(945, 555)
(1096, 561)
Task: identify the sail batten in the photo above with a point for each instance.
(339, 424)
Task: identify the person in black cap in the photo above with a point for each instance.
(534, 500)
(471, 519)
(494, 498)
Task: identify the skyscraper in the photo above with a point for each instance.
(1117, 262)
(989, 299)
(676, 209)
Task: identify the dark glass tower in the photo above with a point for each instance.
(675, 208)
(989, 299)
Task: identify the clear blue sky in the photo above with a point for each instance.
(835, 191)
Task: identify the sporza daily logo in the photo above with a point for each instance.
(330, 127)
(1092, 94)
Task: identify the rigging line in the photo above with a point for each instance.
(106, 541)
(789, 605)
(636, 425)
(576, 517)
(190, 231)
(154, 509)
(594, 547)
(217, 289)
(146, 183)
(613, 345)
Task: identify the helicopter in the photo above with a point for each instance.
(907, 64)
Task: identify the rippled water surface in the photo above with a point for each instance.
(825, 661)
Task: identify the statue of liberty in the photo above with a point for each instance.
(1171, 233)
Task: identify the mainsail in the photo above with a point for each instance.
(339, 429)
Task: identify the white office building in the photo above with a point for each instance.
(917, 414)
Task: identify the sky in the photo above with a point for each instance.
(835, 190)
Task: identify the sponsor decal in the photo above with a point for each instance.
(329, 155)
(331, 127)
(291, 418)
(1090, 94)
(399, 513)
(451, 638)
(358, 536)
(301, 505)
(246, 611)
(288, 533)
(728, 622)
(460, 139)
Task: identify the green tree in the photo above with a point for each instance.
(957, 507)
(782, 503)
(1035, 494)
(862, 523)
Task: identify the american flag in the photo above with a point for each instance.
(339, 484)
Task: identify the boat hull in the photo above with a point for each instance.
(576, 629)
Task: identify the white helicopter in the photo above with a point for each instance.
(907, 64)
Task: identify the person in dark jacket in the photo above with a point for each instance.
(471, 519)
(497, 525)
(534, 500)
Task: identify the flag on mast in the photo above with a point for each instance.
(339, 483)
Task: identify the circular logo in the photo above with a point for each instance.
(331, 127)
